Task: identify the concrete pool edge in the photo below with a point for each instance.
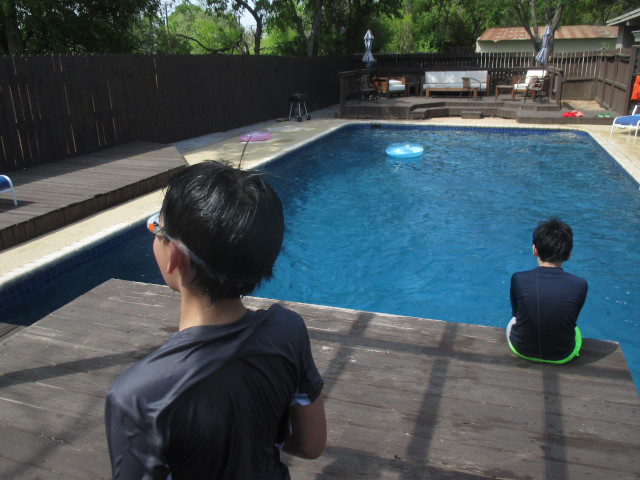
(626, 163)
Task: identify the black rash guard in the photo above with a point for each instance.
(213, 401)
(546, 302)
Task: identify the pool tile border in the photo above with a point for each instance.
(32, 278)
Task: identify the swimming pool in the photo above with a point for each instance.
(439, 236)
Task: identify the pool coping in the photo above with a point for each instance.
(19, 282)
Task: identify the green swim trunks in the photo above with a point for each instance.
(575, 353)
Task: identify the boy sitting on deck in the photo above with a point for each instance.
(225, 392)
(546, 301)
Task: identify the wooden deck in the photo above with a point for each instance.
(53, 195)
(406, 398)
(419, 107)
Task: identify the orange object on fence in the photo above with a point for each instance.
(635, 93)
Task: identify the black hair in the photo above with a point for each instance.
(554, 240)
(232, 219)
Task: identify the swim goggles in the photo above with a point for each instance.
(153, 224)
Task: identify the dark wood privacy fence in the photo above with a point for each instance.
(58, 106)
(606, 76)
(615, 77)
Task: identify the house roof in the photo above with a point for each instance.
(567, 32)
(624, 18)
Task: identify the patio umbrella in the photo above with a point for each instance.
(368, 43)
(543, 55)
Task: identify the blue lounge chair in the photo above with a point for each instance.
(6, 185)
(628, 121)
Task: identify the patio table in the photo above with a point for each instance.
(507, 88)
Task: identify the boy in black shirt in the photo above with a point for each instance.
(546, 301)
(220, 398)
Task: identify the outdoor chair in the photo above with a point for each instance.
(628, 121)
(397, 86)
(538, 87)
(520, 85)
(466, 87)
(366, 89)
(6, 185)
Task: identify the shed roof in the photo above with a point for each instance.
(567, 32)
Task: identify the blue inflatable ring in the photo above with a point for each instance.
(404, 150)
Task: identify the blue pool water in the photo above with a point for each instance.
(441, 236)
(438, 236)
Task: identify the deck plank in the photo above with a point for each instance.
(405, 397)
(56, 194)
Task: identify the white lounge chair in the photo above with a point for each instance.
(6, 185)
(628, 121)
(530, 77)
(396, 85)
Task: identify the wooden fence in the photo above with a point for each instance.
(613, 83)
(58, 106)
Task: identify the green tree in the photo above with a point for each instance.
(596, 12)
(204, 32)
(350, 22)
(528, 12)
(309, 16)
(435, 25)
(260, 10)
(151, 35)
(567, 12)
(486, 14)
(397, 34)
(71, 26)
(326, 26)
(283, 34)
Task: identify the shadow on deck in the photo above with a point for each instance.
(406, 398)
(56, 194)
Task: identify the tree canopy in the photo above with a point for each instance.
(198, 31)
(71, 26)
(260, 10)
(320, 27)
(282, 27)
(439, 25)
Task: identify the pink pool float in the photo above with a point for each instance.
(257, 136)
